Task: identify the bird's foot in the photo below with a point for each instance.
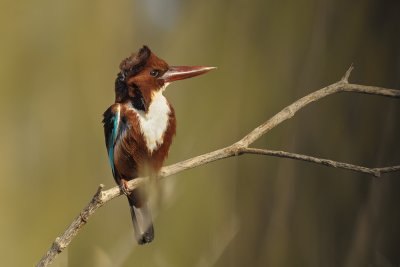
(123, 186)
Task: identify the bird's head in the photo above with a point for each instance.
(143, 74)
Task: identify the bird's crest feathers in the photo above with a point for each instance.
(132, 65)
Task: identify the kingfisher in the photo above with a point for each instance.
(139, 127)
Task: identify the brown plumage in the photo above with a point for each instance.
(132, 152)
(139, 127)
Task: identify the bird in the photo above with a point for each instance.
(140, 126)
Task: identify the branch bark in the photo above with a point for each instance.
(241, 147)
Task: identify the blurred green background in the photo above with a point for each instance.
(58, 63)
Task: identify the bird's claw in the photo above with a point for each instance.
(123, 186)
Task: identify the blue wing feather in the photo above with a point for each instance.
(111, 128)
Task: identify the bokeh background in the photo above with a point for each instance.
(58, 63)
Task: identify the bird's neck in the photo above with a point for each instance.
(154, 122)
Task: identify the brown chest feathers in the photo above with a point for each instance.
(144, 138)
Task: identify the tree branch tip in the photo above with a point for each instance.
(346, 76)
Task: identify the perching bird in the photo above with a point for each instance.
(139, 127)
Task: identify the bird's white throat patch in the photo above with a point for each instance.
(154, 123)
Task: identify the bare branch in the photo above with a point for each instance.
(327, 162)
(388, 169)
(346, 76)
(290, 110)
(241, 147)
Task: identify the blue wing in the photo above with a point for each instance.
(111, 121)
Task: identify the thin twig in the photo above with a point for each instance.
(377, 172)
(241, 147)
(346, 76)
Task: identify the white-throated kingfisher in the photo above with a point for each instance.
(139, 127)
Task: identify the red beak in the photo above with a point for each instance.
(175, 73)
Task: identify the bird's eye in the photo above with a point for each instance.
(154, 73)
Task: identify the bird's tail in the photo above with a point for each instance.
(142, 220)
